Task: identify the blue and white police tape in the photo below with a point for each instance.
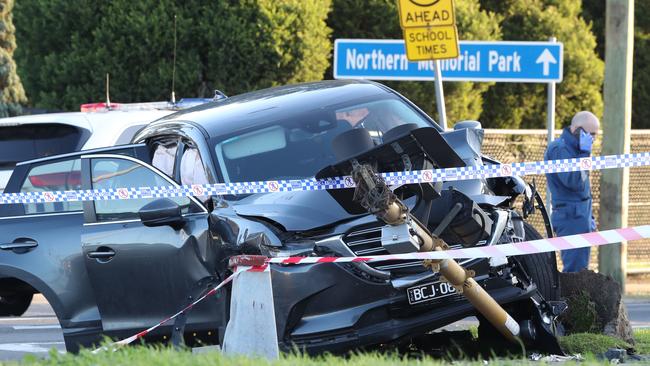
(392, 178)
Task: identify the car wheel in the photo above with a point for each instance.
(15, 305)
(541, 267)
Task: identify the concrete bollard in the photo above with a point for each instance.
(251, 329)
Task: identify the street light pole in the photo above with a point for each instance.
(440, 95)
(550, 126)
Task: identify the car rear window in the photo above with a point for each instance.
(56, 176)
(33, 141)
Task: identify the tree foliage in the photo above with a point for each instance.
(378, 19)
(641, 72)
(12, 94)
(518, 105)
(68, 46)
(594, 11)
(496, 105)
(641, 80)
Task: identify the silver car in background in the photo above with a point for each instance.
(36, 136)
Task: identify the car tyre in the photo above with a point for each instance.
(542, 269)
(15, 305)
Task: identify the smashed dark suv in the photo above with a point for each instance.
(115, 267)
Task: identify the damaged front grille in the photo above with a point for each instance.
(366, 240)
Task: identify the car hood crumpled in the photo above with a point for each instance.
(295, 211)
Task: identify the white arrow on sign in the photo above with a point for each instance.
(546, 58)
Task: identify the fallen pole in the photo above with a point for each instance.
(374, 195)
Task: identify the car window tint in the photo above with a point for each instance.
(297, 147)
(32, 141)
(121, 173)
(379, 117)
(58, 176)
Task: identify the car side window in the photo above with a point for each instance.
(112, 173)
(56, 176)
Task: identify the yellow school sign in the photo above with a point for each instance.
(426, 13)
(429, 29)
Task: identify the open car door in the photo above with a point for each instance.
(146, 257)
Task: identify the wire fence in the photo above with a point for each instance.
(528, 145)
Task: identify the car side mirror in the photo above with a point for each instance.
(162, 212)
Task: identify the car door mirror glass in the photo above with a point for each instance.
(162, 212)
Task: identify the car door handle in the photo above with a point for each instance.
(19, 244)
(103, 254)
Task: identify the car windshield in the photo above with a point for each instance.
(299, 146)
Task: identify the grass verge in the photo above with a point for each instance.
(589, 343)
(642, 338)
(141, 356)
(145, 356)
(586, 344)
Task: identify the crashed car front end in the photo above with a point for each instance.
(337, 306)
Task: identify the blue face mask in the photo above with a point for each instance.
(586, 141)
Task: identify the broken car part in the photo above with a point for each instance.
(377, 198)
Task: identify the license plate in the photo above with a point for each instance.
(429, 291)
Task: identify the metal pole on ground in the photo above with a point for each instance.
(614, 183)
(550, 126)
(440, 96)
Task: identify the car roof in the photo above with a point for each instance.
(77, 119)
(77, 153)
(249, 109)
(106, 128)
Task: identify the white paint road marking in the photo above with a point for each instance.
(36, 320)
(31, 327)
(26, 318)
(36, 347)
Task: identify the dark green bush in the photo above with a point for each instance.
(11, 89)
(378, 19)
(518, 105)
(504, 105)
(68, 46)
(594, 11)
(641, 80)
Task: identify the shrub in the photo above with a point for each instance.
(379, 19)
(67, 47)
(12, 93)
(519, 105)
